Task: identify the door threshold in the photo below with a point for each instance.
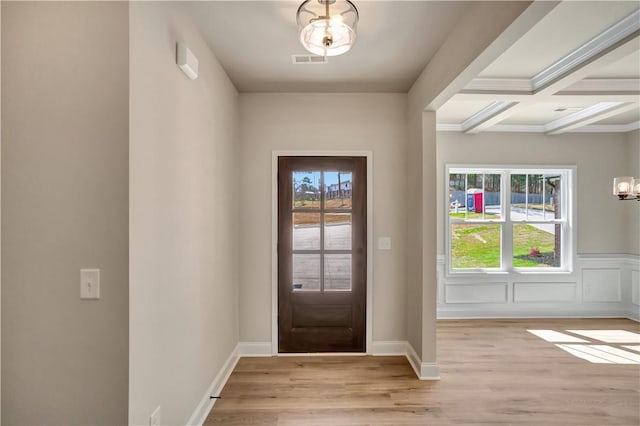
(285, 354)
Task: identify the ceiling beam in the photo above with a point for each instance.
(476, 47)
(566, 77)
(563, 96)
(606, 41)
(594, 113)
(539, 128)
(486, 116)
(499, 85)
(588, 86)
(583, 70)
(506, 89)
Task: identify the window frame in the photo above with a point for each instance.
(568, 226)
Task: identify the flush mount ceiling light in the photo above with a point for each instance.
(327, 27)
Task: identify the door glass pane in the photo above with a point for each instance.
(492, 196)
(338, 186)
(306, 231)
(337, 231)
(518, 197)
(475, 245)
(306, 189)
(337, 272)
(306, 272)
(536, 245)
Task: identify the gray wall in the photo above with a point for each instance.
(65, 106)
(632, 210)
(183, 217)
(324, 122)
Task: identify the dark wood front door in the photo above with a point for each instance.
(322, 254)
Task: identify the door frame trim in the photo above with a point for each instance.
(274, 236)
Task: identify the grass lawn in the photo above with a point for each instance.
(478, 246)
(302, 217)
(528, 237)
(334, 203)
(474, 215)
(475, 246)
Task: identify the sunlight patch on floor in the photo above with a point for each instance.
(601, 354)
(609, 336)
(556, 337)
(590, 350)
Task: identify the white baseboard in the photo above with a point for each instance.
(491, 313)
(252, 349)
(414, 359)
(424, 370)
(429, 371)
(389, 348)
(633, 313)
(206, 403)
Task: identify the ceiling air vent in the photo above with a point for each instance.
(308, 59)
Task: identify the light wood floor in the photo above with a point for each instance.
(493, 372)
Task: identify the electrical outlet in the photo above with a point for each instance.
(154, 418)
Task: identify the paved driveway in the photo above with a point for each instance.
(337, 267)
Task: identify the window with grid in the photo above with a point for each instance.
(502, 219)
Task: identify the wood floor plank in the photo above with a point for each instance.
(493, 372)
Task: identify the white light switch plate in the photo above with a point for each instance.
(384, 243)
(89, 283)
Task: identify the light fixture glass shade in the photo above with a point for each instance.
(635, 190)
(622, 186)
(327, 27)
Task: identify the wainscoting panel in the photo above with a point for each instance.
(535, 292)
(601, 285)
(476, 293)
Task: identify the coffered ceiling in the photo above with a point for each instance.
(577, 70)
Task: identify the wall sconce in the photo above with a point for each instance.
(626, 188)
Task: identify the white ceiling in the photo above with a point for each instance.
(254, 41)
